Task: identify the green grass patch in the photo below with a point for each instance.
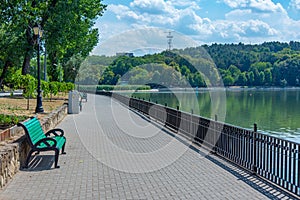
(10, 120)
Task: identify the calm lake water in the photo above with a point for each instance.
(275, 111)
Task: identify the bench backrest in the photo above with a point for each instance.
(33, 130)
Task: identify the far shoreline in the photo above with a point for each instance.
(231, 88)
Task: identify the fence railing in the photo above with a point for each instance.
(275, 159)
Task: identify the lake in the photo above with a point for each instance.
(276, 111)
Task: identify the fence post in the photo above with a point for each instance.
(254, 161)
(191, 126)
(177, 118)
(215, 132)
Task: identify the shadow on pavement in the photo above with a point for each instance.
(40, 163)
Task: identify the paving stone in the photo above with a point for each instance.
(110, 153)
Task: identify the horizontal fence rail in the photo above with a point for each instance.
(274, 159)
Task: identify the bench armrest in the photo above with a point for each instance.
(55, 131)
(46, 141)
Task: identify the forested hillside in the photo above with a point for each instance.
(267, 64)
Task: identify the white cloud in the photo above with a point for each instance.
(122, 11)
(295, 4)
(236, 3)
(275, 26)
(142, 39)
(248, 21)
(186, 3)
(156, 12)
(237, 31)
(266, 6)
(152, 6)
(257, 5)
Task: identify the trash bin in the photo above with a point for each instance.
(73, 102)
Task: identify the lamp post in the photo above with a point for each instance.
(38, 32)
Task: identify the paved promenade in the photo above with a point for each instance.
(114, 153)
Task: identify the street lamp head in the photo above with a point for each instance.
(41, 32)
(37, 30)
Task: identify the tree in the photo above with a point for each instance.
(250, 77)
(268, 77)
(156, 77)
(235, 72)
(228, 81)
(287, 70)
(68, 27)
(261, 76)
(11, 43)
(242, 79)
(198, 80)
(107, 78)
(53, 89)
(138, 76)
(74, 33)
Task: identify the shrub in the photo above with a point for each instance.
(10, 120)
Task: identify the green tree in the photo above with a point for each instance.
(198, 80)
(68, 28)
(242, 79)
(228, 80)
(250, 77)
(156, 77)
(185, 71)
(138, 76)
(235, 72)
(107, 78)
(11, 44)
(261, 76)
(268, 77)
(45, 88)
(53, 89)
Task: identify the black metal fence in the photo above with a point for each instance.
(276, 160)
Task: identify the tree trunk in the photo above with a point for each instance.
(53, 66)
(4, 71)
(26, 63)
(28, 53)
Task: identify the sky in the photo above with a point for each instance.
(136, 24)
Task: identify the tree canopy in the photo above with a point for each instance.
(267, 64)
(68, 31)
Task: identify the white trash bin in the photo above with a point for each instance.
(73, 102)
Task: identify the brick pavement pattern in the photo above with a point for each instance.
(114, 153)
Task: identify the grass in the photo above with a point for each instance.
(17, 106)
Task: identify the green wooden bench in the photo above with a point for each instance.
(53, 140)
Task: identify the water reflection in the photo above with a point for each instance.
(275, 111)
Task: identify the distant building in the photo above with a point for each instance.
(125, 54)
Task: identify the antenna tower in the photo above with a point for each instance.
(170, 38)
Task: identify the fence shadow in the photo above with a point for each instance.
(260, 185)
(264, 187)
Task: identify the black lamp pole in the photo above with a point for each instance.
(39, 106)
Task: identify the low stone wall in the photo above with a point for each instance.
(13, 151)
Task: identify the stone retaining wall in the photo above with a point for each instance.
(14, 150)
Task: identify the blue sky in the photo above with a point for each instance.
(204, 21)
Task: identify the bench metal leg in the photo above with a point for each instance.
(56, 158)
(28, 158)
(63, 148)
